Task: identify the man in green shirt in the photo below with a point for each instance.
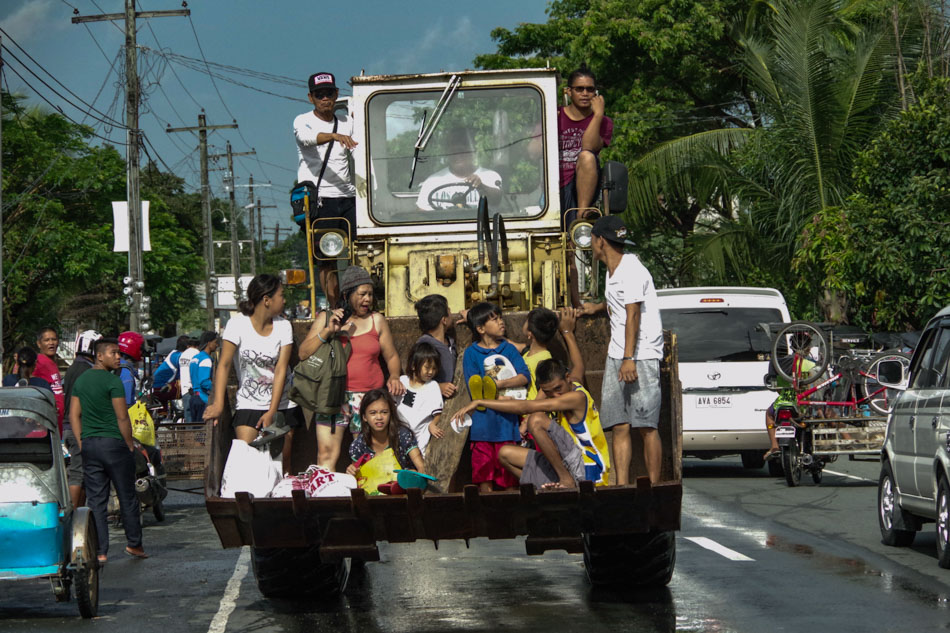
(100, 420)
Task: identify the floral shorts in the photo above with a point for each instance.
(349, 413)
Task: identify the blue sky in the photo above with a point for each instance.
(289, 38)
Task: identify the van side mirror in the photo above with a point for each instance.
(614, 182)
(891, 374)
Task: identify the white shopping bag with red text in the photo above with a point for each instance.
(250, 470)
(325, 483)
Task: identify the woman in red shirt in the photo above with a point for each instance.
(369, 342)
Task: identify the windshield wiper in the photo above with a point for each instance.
(425, 132)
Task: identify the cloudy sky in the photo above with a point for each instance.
(279, 41)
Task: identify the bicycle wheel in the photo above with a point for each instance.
(800, 353)
(879, 398)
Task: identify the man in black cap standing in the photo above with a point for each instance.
(630, 396)
(324, 140)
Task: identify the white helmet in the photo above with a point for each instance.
(86, 342)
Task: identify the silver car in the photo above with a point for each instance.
(914, 487)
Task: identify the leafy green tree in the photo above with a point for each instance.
(58, 263)
(885, 247)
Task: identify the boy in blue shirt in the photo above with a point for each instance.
(491, 355)
(201, 370)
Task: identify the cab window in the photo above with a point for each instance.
(487, 142)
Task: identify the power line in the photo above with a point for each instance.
(30, 57)
(59, 109)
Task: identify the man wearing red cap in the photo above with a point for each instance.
(318, 133)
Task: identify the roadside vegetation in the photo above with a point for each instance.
(800, 144)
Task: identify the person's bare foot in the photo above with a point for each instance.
(559, 485)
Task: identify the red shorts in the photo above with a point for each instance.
(486, 467)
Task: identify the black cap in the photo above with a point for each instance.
(321, 80)
(611, 228)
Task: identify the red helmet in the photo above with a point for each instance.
(130, 344)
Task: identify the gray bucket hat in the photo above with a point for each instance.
(353, 277)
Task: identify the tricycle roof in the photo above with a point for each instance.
(34, 400)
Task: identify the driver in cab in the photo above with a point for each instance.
(463, 182)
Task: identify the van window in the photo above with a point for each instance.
(719, 334)
(494, 133)
(932, 370)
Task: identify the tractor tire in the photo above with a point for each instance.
(630, 561)
(297, 573)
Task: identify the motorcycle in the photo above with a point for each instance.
(150, 481)
(796, 445)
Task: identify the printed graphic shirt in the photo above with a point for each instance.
(257, 360)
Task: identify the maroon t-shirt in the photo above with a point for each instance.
(570, 133)
(48, 371)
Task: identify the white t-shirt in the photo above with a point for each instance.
(446, 177)
(630, 283)
(257, 359)
(184, 375)
(337, 182)
(417, 407)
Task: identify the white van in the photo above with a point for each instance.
(723, 358)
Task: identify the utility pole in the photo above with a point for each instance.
(206, 224)
(250, 214)
(260, 228)
(133, 133)
(229, 186)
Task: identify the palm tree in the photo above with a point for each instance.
(821, 85)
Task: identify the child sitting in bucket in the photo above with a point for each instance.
(420, 408)
(380, 430)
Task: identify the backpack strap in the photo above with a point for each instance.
(326, 159)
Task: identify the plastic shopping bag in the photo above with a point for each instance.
(250, 470)
(143, 427)
(379, 470)
(325, 483)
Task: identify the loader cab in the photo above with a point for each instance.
(457, 193)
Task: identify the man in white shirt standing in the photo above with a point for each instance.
(184, 377)
(315, 132)
(630, 396)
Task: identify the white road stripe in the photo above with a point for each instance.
(229, 599)
(722, 550)
(834, 472)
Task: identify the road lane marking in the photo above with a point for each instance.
(834, 472)
(722, 550)
(229, 599)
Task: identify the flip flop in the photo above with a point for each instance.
(475, 386)
(143, 555)
(269, 434)
(771, 453)
(102, 560)
(489, 388)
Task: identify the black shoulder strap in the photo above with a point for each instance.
(326, 158)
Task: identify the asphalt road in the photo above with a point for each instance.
(753, 555)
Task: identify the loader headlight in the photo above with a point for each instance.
(581, 235)
(332, 244)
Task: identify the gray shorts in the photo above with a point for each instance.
(539, 471)
(74, 470)
(636, 403)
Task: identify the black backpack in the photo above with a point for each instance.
(320, 380)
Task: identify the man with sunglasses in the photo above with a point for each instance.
(317, 131)
(582, 131)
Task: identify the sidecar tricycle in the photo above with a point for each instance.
(41, 534)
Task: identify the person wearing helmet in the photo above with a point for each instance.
(85, 359)
(130, 348)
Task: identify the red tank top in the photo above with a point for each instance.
(363, 370)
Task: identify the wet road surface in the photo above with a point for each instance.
(753, 555)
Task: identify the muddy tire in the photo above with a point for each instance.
(86, 577)
(628, 561)
(297, 573)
